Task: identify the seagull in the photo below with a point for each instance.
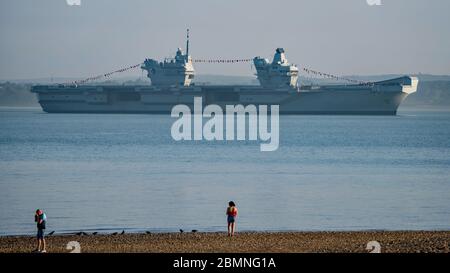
(181, 231)
(123, 232)
(51, 233)
(194, 230)
(148, 232)
(94, 233)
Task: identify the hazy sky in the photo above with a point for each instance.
(43, 38)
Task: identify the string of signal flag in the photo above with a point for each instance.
(106, 75)
(306, 70)
(333, 77)
(223, 61)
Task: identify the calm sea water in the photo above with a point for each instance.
(114, 172)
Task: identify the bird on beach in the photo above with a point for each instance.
(84, 233)
(123, 232)
(79, 233)
(148, 232)
(181, 231)
(51, 233)
(115, 233)
(194, 230)
(94, 233)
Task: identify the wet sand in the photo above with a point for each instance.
(246, 242)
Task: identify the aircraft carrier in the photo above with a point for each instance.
(172, 84)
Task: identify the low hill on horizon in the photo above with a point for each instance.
(433, 91)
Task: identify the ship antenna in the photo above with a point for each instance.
(187, 43)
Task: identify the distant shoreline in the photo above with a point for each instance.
(243, 242)
(408, 108)
(433, 91)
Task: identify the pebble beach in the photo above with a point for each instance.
(245, 242)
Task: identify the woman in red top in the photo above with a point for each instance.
(231, 217)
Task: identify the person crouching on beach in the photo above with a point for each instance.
(41, 219)
(231, 217)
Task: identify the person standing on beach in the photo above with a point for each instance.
(41, 219)
(231, 217)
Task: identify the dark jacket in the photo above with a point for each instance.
(41, 220)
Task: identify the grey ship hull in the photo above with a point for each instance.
(382, 98)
